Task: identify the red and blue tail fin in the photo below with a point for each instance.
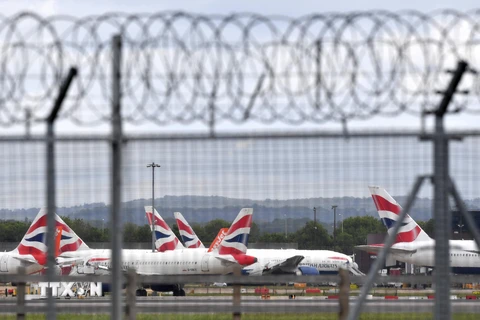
(236, 239)
(166, 240)
(388, 209)
(34, 241)
(189, 238)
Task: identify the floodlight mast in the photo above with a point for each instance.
(153, 165)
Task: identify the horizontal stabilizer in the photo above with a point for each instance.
(227, 259)
(25, 259)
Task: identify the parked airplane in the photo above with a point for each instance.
(230, 255)
(287, 261)
(31, 252)
(413, 245)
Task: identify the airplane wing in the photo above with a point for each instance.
(376, 249)
(285, 266)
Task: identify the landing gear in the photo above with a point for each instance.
(141, 293)
(178, 293)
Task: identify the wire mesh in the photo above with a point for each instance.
(282, 179)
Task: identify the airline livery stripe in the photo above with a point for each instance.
(171, 245)
(42, 222)
(38, 238)
(229, 250)
(186, 239)
(71, 246)
(389, 223)
(241, 238)
(383, 204)
(37, 254)
(182, 226)
(161, 235)
(243, 222)
(408, 236)
(161, 223)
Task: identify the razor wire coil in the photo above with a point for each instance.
(180, 67)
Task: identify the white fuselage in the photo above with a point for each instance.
(463, 254)
(11, 261)
(176, 262)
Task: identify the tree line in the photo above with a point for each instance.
(312, 235)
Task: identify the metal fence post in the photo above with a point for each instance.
(131, 310)
(116, 182)
(237, 315)
(441, 210)
(50, 241)
(344, 294)
(21, 295)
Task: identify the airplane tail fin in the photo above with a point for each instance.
(388, 209)
(236, 239)
(216, 242)
(34, 241)
(166, 240)
(189, 238)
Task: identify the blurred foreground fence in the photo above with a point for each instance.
(180, 68)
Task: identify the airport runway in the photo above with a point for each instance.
(250, 305)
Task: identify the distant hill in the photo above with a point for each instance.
(269, 214)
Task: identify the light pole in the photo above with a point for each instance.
(103, 229)
(153, 165)
(285, 215)
(461, 225)
(341, 220)
(334, 207)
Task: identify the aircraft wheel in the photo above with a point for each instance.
(141, 293)
(182, 293)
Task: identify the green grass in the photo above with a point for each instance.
(257, 316)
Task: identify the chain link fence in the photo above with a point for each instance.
(185, 69)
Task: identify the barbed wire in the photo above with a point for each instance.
(180, 67)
